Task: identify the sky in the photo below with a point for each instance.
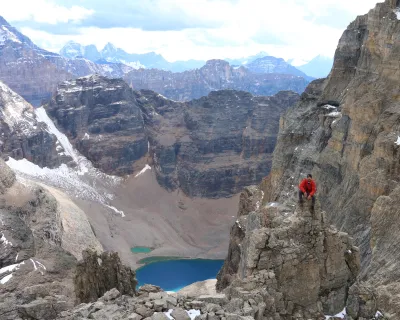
(189, 29)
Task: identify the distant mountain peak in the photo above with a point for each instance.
(109, 48)
(3, 22)
(7, 34)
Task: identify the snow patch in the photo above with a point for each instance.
(398, 141)
(9, 268)
(42, 116)
(397, 12)
(341, 315)
(272, 204)
(192, 313)
(147, 167)
(329, 107)
(5, 241)
(6, 279)
(335, 114)
(16, 112)
(116, 210)
(6, 34)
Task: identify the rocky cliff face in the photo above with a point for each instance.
(215, 75)
(210, 147)
(96, 274)
(345, 131)
(214, 146)
(21, 135)
(301, 266)
(102, 119)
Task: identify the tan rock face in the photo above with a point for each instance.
(344, 131)
(291, 258)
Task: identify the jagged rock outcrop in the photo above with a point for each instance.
(210, 147)
(96, 274)
(21, 135)
(289, 261)
(215, 75)
(345, 131)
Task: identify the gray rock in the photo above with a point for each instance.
(135, 316)
(110, 312)
(216, 299)
(144, 311)
(160, 305)
(158, 295)
(38, 309)
(195, 304)
(92, 279)
(212, 316)
(148, 288)
(171, 302)
(159, 316)
(180, 314)
(111, 295)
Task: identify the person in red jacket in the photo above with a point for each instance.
(309, 188)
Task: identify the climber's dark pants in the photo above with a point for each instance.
(301, 194)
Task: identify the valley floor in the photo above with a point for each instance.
(170, 222)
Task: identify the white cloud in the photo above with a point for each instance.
(43, 11)
(284, 28)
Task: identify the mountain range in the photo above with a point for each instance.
(34, 73)
(318, 67)
(112, 54)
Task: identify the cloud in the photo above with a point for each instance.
(43, 11)
(191, 29)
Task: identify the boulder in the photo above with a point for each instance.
(180, 314)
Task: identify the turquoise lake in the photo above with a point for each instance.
(173, 275)
(141, 249)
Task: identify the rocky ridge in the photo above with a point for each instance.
(22, 135)
(211, 147)
(345, 131)
(214, 75)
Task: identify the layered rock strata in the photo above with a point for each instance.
(210, 147)
(102, 119)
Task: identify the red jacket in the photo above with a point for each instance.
(308, 187)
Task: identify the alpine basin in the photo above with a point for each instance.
(173, 275)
